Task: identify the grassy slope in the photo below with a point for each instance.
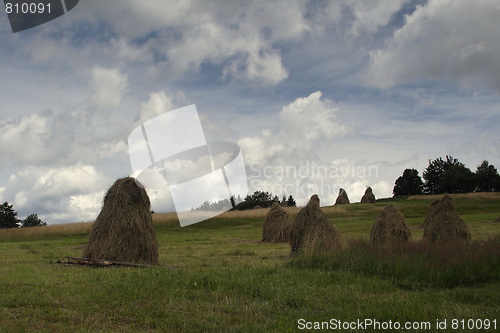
(220, 278)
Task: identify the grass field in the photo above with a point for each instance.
(217, 277)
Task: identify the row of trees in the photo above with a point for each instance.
(264, 199)
(448, 176)
(8, 218)
(257, 199)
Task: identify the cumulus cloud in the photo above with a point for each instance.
(50, 138)
(445, 40)
(108, 86)
(287, 160)
(58, 195)
(372, 14)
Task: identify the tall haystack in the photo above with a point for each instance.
(390, 227)
(123, 230)
(443, 224)
(311, 233)
(369, 197)
(432, 213)
(342, 199)
(276, 227)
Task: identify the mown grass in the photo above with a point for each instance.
(217, 277)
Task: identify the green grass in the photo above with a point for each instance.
(217, 277)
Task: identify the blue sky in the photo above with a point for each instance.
(349, 86)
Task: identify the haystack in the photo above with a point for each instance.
(390, 227)
(276, 227)
(123, 230)
(369, 197)
(443, 224)
(311, 233)
(342, 199)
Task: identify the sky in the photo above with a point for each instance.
(318, 95)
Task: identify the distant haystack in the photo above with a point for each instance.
(390, 227)
(123, 231)
(311, 233)
(443, 224)
(369, 197)
(276, 227)
(342, 199)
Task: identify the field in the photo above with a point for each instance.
(216, 276)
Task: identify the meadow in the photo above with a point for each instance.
(216, 276)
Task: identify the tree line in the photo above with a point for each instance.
(8, 218)
(448, 175)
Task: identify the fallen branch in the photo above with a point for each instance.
(99, 262)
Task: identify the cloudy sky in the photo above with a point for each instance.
(318, 94)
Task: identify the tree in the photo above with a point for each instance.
(450, 176)
(8, 217)
(32, 221)
(457, 179)
(409, 183)
(258, 198)
(291, 202)
(486, 178)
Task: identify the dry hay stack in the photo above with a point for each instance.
(432, 213)
(276, 227)
(123, 231)
(443, 224)
(342, 199)
(390, 227)
(311, 233)
(369, 197)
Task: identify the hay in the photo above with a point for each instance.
(311, 233)
(276, 227)
(342, 199)
(123, 231)
(369, 197)
(443, 224)
(390, 227)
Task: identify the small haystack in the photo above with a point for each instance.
(369, 197)
(342, 199)
(311, 232)
(443, 224)
(276, 227)
(123, 231)
(390, 227)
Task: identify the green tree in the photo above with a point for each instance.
(291, 202)
(258, 198)
(32, 221)
(457, 178)
(409, 183)
(486, 178)
(8, 217)
(450, 176)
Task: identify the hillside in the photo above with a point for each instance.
(217, 276)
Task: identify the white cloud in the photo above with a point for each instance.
(108, 86)
(58, 195)
(50, 138)
(444, 39)
(369, 15)
(287, 161)
(158, 103)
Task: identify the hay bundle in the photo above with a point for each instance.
(390, 227)
(342, 199)
(276, 227)
(369, 197)
(123, 231)
(311, 233)
(443, 224)
(432, 213)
